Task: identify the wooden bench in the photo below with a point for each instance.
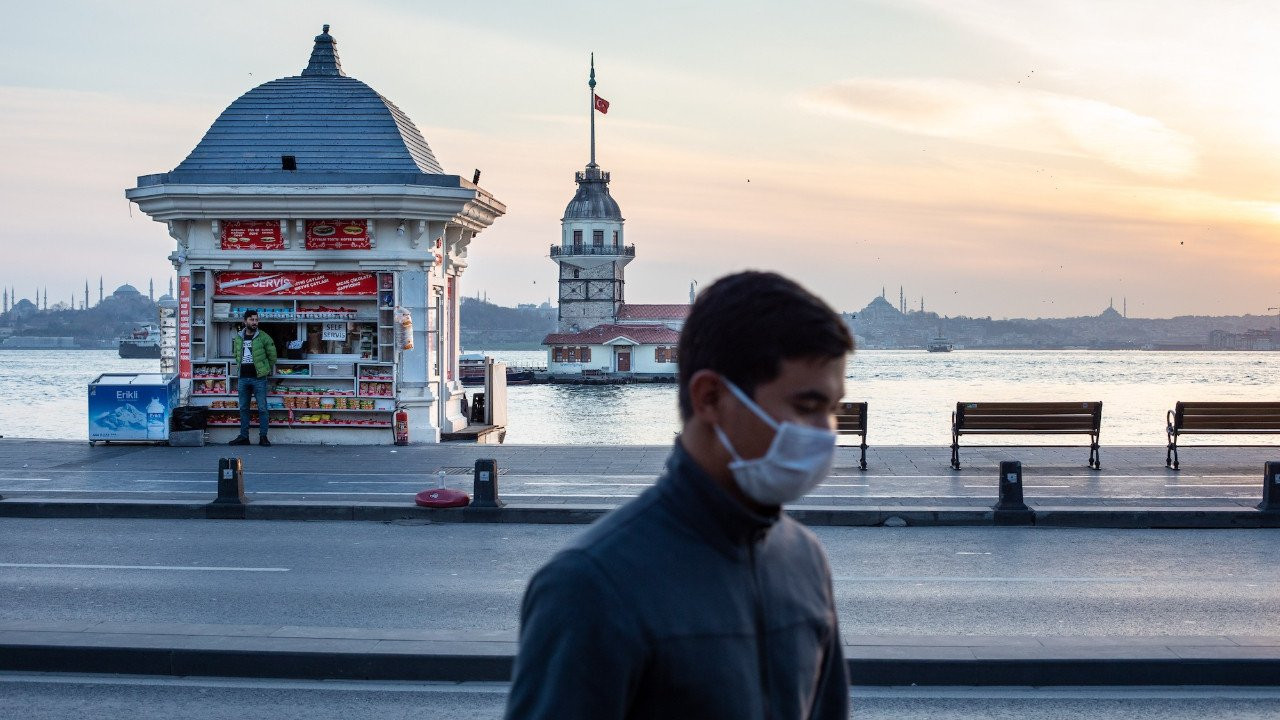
(1027, 418)
(851, 419)
(1219, 418)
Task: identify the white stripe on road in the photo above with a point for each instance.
(963, 579)
(1182, 485)
(1027, 485)
(185, 568)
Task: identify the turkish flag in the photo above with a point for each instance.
(602, 105)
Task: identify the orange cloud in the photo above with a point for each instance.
(1027, 120)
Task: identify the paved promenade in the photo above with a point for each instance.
(1132, 477)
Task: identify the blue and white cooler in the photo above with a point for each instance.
(131, 407)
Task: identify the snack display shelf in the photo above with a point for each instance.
(284, 395)
(299, 317)
(380, 425)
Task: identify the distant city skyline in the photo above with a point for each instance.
(1027, 160)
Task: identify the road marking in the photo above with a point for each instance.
(1181, 485)
(1043, 487)
(415, 483)
(964, 579)
(175, 481)
(184, 568)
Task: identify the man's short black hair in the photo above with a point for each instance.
(744, 325)
(250, 313)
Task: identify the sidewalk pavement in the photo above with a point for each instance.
(425, 655)
(1218, 487)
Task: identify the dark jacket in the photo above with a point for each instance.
(682, 604)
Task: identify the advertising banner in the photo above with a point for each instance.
(184, 327)
(338, 235)
(295, 284)
(120, 410)
(252, 235)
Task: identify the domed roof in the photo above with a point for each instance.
(326, 121)
(126, 289)
(592, 201)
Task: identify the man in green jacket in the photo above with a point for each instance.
(256, 353)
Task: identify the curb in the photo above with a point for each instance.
(531, 514)
(912, 661)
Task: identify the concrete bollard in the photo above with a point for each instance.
(230, 482)
(485, 487)
(1010, 509)
(1270, 488)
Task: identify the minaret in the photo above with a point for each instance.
(101, 295)
(170, 287)
(151, 289)
(86, 294)
(592, 254)
(6, 299)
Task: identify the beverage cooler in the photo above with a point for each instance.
(131, 407)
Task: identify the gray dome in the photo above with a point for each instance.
(592, 201)
(327, 121)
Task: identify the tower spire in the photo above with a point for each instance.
(324, 56)
(591, 108)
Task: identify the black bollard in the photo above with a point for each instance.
(1270, 488)
(485, 488)
(1010, 509)
(230, 482)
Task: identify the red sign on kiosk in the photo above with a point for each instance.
(338, 235)
(252, 235)
(184, 327)
(292, 284)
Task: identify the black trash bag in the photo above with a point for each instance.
(189, 417)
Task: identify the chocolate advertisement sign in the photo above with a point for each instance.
(294, 284)
(252, 235)
(338, 235)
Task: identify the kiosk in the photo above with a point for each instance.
(317, 202)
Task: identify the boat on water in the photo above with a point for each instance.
(142, 342)
(940, 344)
(471, 371)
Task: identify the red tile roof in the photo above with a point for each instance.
(601, 334)
(653, 312)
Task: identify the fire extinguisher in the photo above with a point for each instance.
(401, 426)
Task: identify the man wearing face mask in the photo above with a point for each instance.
(700, 598)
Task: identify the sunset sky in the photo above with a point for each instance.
(1027, 159)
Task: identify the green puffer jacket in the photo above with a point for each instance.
(263, 349)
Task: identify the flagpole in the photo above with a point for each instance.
(591, 84)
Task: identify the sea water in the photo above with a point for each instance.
(43, 393)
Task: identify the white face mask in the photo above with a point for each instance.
(798, 459)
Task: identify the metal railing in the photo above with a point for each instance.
(573, 250)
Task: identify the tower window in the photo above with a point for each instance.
(577, 240)
(597, 238)
(615, 239)
(288, 162)
(575, 272)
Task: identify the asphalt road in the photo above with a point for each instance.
(893, 581)
(37, 697)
